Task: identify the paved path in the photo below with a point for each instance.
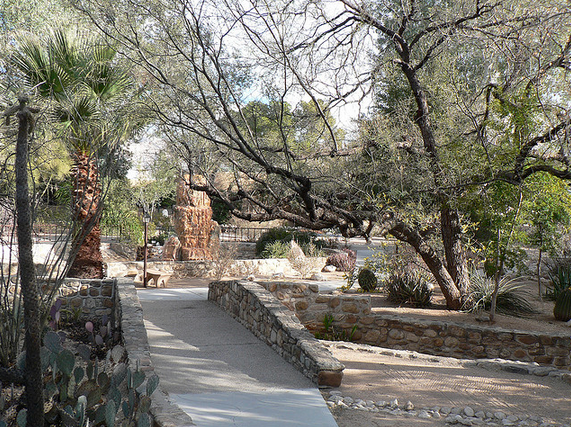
(220, 373)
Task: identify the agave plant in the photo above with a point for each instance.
(511, 299)
(560, 278)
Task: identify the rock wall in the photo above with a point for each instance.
(269, 320)
(425, 336)
(90, 298)
(241, 268)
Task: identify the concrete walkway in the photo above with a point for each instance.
(220, 373)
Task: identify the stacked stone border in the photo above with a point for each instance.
(352, 314)
(240, 268)
(129, 311)
(89, 299)
(273, 323)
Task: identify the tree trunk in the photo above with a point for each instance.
(33, 372)
(406, 234)
(86, 199)
(454, 250)
(539, 271)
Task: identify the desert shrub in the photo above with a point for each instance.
(511, 299)
(411, 287)
(309, 241)
(560, 279)
(367, 280)
(343, 261)
(276, 249)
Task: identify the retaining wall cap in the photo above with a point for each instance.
(468, 328)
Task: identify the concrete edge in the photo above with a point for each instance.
(286, 335)
(130, 312)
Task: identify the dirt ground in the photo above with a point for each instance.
(426, 381)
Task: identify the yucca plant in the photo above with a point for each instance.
(511, 299)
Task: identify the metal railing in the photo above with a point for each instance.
(230, 233)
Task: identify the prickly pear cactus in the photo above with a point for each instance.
(562, 309)
(367, 280)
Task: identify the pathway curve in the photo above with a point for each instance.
(220, 373)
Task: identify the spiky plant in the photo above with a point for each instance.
(511, 299)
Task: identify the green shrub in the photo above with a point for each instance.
(409, 287)
(277, 249)
(307, 240)
(367, 280)
(511, 299)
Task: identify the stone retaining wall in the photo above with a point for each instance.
(180, 269)
(86, 299)
(426, 336)
(95, 298)
(273, 323)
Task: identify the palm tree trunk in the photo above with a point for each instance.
(86, 200)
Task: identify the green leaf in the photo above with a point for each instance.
(100, 415)
(145, 404)
(78, 374)
(66, 362)
(94, 397)
(89, 370)
(85, 388)
(45, 358)
(144, 421)
(53, 342)
(51, 389)
(126, 410)
(22, 418)
(138, 378)
(119, 373)
(110, 412)
(103, 380)
(115, 396)
(152, 384)
(84, 351)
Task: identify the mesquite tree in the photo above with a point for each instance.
(444, 75)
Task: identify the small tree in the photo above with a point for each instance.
(549, 216)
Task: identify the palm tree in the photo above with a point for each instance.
(87, 92)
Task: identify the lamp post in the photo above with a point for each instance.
(146, 220)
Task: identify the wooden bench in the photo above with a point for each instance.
(158, 277)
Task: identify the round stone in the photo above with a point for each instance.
(424, 415)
